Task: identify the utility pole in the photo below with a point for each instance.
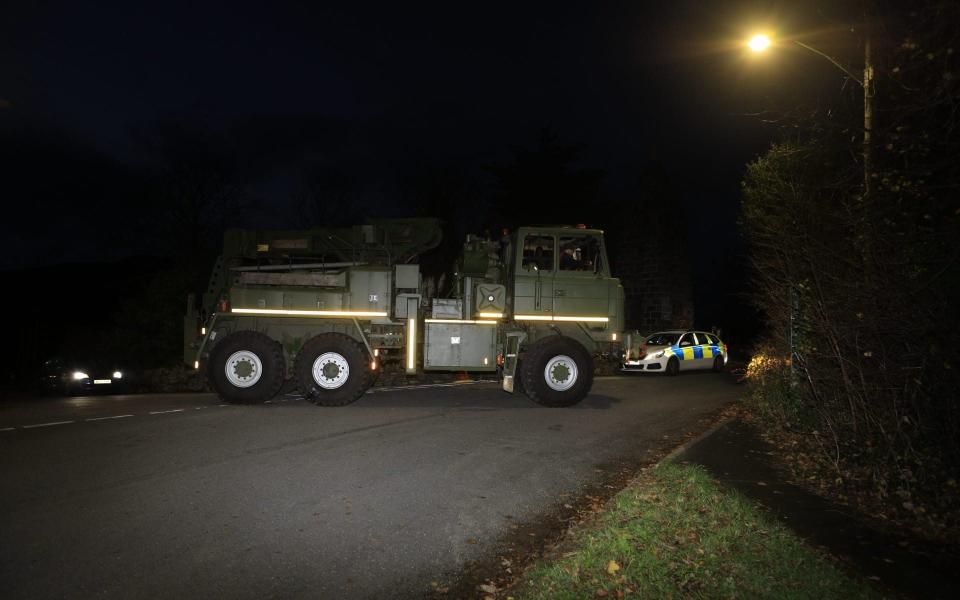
(866, 84)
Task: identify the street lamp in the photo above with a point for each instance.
(761, 42)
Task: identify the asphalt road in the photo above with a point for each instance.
(178, 496)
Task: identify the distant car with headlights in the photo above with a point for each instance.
(677, 350)
(72, 377)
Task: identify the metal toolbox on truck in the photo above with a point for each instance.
(468, 346)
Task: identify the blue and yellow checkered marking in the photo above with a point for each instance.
(696, 352)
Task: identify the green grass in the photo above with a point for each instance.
(676, 533)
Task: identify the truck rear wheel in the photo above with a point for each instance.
(332, 370)
(556, 372)
(246, 367)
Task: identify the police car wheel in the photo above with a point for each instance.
(556, 372)
(332, 370)
(246, 367)
(718, 364)
(673, 367)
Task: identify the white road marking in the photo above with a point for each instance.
(293, 396)
(47, 424)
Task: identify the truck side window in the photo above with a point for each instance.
(580, 253)
(538, 252)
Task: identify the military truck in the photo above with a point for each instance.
(327, 309)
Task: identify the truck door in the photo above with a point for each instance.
(581, 286)
(533, 283)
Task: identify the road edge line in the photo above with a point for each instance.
(692, 442)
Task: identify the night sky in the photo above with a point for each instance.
(377, 90)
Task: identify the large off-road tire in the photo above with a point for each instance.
(673, 367)
(556, 371)
(332, 369)
(246, 367)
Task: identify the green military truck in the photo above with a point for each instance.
(330, 308)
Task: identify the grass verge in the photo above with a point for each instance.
(675, 532)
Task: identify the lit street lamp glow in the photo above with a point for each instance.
(759, 43)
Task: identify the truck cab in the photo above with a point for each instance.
(562, 273)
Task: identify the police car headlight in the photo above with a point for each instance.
(117, 375)
(78, 375)
(660, 354)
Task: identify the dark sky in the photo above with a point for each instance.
(386, 86)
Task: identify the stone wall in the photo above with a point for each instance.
(650, 257)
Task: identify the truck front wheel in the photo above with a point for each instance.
(246, 367)
(332, 370)
(556, 372)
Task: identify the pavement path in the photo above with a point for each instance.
(189, 498)
(738, 457)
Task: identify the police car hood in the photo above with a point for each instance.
(653, 348)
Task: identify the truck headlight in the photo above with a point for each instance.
(78, 375)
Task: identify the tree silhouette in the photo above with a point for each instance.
(328, 197)
(544, 185)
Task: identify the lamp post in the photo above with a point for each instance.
(760, 43)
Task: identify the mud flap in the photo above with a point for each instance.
(511, 359)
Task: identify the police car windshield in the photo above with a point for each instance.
(663, 339)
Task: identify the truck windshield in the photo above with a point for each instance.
(663, 339)
(538, 252)
(580, 253)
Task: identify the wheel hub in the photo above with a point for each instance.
(331, 370)
(560, 373)
(243, 369)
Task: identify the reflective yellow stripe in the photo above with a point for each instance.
(561, 318)
(411, 344)
(309, 313)
(688, 353)
(463, 321)
(707, 352)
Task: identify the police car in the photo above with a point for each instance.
(678, 350)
